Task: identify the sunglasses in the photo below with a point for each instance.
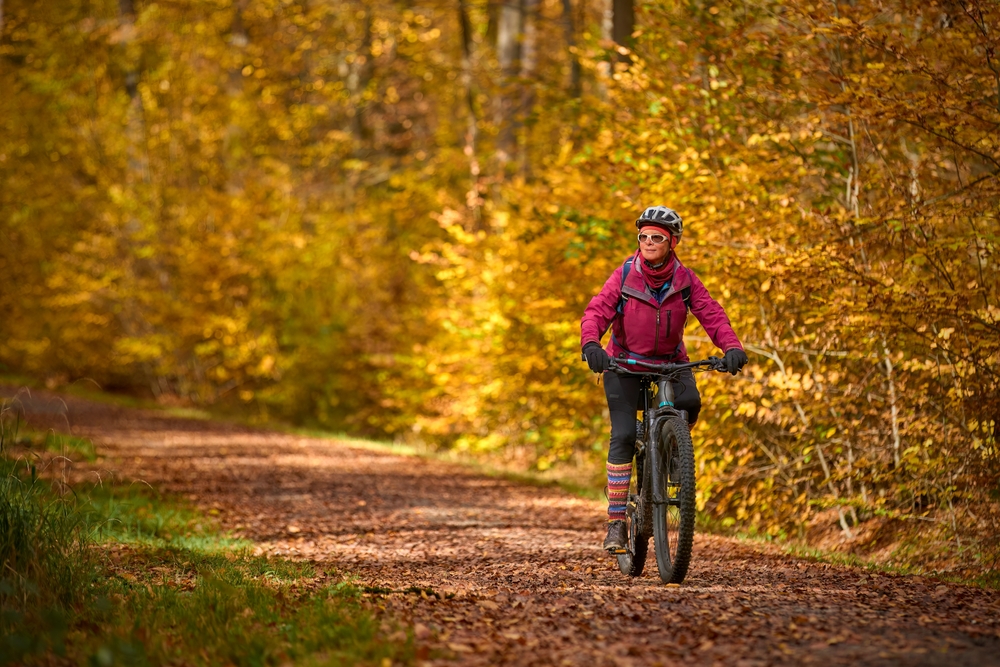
(652, 238)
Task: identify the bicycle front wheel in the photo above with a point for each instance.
(673, 518)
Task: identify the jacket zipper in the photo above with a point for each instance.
(656, 339)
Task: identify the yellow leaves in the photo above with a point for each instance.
(990, 314)
(546, 304)
(354, 164)
(789, 381)
(430, 35)
(266, 365)
(132, 350)
(32, 348)
(777, 137)
(565, 154)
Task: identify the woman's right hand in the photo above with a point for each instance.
(597, 358)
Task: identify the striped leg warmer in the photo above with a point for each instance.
(618, 478)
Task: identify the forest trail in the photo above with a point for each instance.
(513, 574)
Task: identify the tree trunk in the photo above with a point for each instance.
(529, 60)
(238, 39)
(137, 177)
(358, 82)
(607, 20)
(574, 66)
(138, 167)
(474, 196)
(510, 30)
(623, 26)
(238, 42)
(607, 32)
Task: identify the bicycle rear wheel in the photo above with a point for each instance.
(673, 520)
(633, 560)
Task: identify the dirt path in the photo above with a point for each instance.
(517, 571)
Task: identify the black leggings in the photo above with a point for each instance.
(623, 402)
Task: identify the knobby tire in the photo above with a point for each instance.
(673, 524)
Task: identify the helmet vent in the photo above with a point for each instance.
(661, 216)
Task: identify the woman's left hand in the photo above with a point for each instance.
(736, 359)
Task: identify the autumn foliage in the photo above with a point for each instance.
(385, 218)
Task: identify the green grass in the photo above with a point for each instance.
(56, 443)
(137, 515)
(106, 575)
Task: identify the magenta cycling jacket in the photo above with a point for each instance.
(646, 329)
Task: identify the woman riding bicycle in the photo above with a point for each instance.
(645, 302)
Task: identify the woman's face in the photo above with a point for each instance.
(655, 253)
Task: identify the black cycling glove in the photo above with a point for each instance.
(736, 359)
(597, 358)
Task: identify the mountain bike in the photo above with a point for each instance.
(661, 500)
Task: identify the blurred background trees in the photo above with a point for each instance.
(387, 218)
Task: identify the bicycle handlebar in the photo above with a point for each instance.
(712, 363)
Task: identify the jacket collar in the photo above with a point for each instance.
(635, 285)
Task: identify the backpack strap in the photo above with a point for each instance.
(626, 268)
(686, 292)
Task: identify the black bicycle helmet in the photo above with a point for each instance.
(661, 216)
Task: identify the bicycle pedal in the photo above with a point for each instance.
(617, 552)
